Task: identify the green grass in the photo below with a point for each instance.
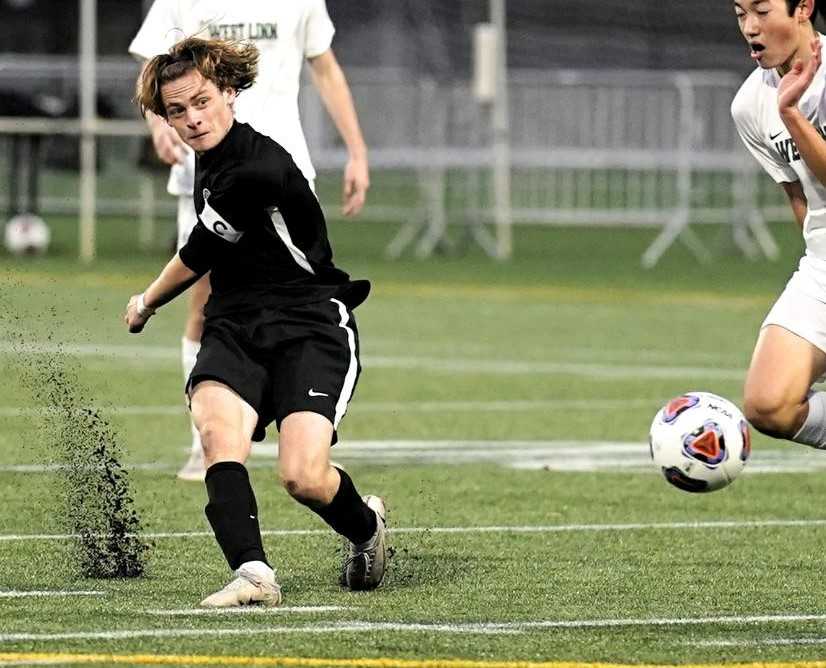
(572, 297)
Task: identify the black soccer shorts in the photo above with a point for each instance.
(280, 361)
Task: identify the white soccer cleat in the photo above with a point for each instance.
(195, 468)
(250, 587)
(364, 564)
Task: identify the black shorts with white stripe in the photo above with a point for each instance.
(285, 360)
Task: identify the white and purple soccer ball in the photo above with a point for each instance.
(700, 441)
(27, 234)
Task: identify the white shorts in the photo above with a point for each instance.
(187, 219)
(799, 311)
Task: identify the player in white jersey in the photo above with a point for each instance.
(286, 34)
(790, 354)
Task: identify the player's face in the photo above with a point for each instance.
(200, 113)
(773, 36)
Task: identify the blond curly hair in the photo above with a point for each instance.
(227, 64)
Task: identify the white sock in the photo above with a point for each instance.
(189, 353)
(813, 431)
(259, 569)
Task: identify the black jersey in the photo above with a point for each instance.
(260, 230)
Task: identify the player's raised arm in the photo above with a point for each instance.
(795, 82)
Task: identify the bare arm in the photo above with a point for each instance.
(172, 281)
(168, 145)
(797, 200)
(335, 93)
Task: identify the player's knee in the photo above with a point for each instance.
(770, 413)
(216, 433)
(303, 484)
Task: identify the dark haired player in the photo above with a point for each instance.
(790, 354)
(280, 340)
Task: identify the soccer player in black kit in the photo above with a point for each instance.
(280, 341)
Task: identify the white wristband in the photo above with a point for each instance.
(143, 310)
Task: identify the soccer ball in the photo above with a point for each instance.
(700, 441)
(26, 234)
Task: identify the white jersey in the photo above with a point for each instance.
(286, 32)
(757, 118)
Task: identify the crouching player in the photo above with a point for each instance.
(790, 354)
(280, 341)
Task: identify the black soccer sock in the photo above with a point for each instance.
(347, 512)
(233, 513)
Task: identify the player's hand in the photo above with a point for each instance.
(354, 186)
(134, 321)
(795, 82)
(168, 145)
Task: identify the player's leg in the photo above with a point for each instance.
(316, 378)
(194, 468)
(777, 399)
(306, 473)
(226, 423)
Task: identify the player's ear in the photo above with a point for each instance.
(229, 96)
(804, 10)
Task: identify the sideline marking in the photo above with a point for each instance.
(319, 662)
(546, 528)
(36, 593)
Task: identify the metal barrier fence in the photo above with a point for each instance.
(587, 148)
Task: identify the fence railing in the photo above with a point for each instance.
(587, 148)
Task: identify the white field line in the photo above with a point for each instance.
(772, 642)
(436, 364)
(528, 529)
(50, 468)
(493, 628)
(561, 455)
(38, 594)
(134, 352)
(320, 628)
(519, 367)
(391, 407)
(249, 610)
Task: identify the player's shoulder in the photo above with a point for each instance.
(746, 102)
(259, 156)
(260, 145)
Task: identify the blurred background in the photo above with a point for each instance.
(612, 114)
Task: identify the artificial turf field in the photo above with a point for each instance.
(503, 412)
